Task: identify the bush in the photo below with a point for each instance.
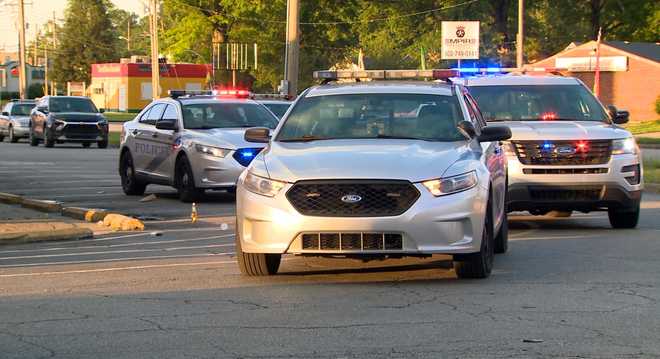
(657, 105)
(35, 90)
(8, 95)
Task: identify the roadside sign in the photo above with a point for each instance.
(460, 40)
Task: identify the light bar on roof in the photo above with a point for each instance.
(438, 74)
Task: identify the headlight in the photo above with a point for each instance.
(449, 185)
(213, 151)
(624, 146)
(263, 186)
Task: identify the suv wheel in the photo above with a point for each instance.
(129, 182)
(86, 144)
(12, 135)
(480, 264)
(623, 217)
(2, 137)
(34, 141)
(48, 140)
(256, 264)
(103, 143)
(185, 182)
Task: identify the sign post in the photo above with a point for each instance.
(460, 40)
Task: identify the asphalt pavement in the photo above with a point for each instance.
(568, 287)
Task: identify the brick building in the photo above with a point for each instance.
(629, 78)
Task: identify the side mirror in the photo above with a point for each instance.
(5, 113)
(43, 109)
(494, 133)
(101, 110)
(257, 135)
(166, 124)
(618, 116)
(467, 129)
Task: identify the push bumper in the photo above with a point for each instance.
(80, 132)
(450, 225)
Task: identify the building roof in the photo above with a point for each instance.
(649, 50)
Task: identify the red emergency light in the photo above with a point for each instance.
(236, 93)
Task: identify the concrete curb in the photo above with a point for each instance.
(43, 236)
(41, 205)
(84, 214)
(10, 198)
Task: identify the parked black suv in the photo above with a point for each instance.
(59, 119)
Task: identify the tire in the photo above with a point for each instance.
(129, 182)
(103, 143)
(480, 264)
(621, 218)
(257, 264)
(185, 182)
(502, 237)
(86, 144)
(12, 135)
(34, 141)
(48, 142)
(2, 138)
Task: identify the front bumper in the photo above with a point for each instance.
(215, 172)
(21, 131)
(450, 224)
(606, 187)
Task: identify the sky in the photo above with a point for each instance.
(38, 12)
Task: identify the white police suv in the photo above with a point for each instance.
(192, 141)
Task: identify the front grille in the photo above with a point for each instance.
(352, 198)
(596, 152)
(81, 130)
(563, 171)
(561, 194)
(352, 241)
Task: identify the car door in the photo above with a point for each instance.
(495, 161)
(147, 152)
(167, 139)
(4, 119)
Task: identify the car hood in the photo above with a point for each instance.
(77, 116)
(562, 130)
(229, 138)
(366, 159)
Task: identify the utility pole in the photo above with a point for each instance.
(22, 73)
(292, 47)
(53, 86)
(520, 38)
(45, 67)
(155, 66)
(128, 35)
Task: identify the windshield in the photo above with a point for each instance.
(203, 116)
(279, 109)
(72, 104)
(536, 103)
(410, 116)
(22, 109)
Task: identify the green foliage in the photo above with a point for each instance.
(8, 95)
(88, 36)
(35, 90)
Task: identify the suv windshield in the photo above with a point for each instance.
(202, 116)
(538, 102)
(355, 116)
(72, 104)
(279, 109)
(21, 109)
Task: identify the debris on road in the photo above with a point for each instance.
(532, 340)
(149, 198)
(119, 222)
(193, 214)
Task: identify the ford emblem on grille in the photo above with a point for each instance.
(565, 150)
(351, 198)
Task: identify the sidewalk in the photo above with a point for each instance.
(22, 225)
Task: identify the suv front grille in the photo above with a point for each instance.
(81, 130)
(352, 198)
(596, 152)
(560, 194)
(352, 241)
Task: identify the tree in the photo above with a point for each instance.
(88, 36)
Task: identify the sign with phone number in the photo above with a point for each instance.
(460, 40)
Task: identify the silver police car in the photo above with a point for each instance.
(191, 141)
(374, 170)
(15, 120)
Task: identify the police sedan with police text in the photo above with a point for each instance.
(191, 141)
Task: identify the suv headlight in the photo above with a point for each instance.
(213, 151)
(261, 185)
(444, 186)
(624, 146)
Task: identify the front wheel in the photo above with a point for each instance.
(623, 217)
(129, 182)
(12, 135)
(480, 264)
(48, 140)
(86, 144)
(185, 182)
(257, 264)
(103, 143)
(2, 138)
(34, 141)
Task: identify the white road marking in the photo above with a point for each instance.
(166, 249)
(116, 260)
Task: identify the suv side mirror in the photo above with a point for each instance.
(618, 116)
(101, 110)
(43, 109)
(166, 124)
(5, 113)
(494, 133)
(467, 129)
(257, 135)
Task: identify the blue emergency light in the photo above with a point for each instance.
(245, 155)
